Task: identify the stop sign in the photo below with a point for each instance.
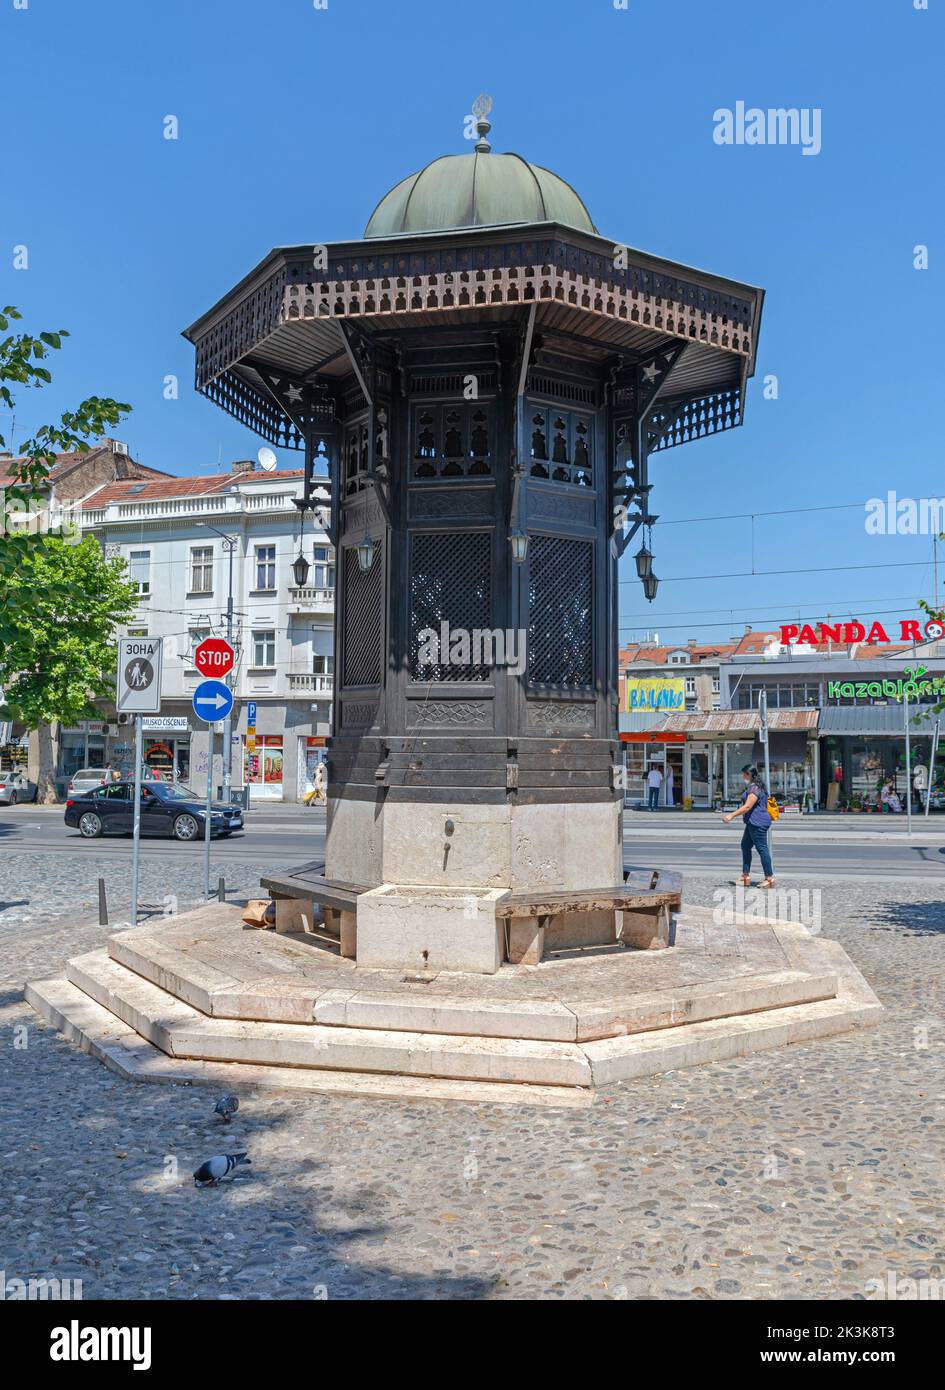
(214, 657)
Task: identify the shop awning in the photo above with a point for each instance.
(736, 721)
(874, 721)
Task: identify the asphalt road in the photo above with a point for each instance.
(284, 837)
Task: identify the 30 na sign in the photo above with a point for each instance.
(214, 657)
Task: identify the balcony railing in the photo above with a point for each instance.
(305, 680)
(308, 599)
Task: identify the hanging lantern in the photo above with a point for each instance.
(650, 585)
(644, 562)
(519, 543)
(300, 569)
(366, 553)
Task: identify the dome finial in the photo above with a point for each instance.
(480, 109)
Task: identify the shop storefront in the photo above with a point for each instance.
(863, 749)
(312, 752)
(85, 745)
(644, 749)
(263, 767)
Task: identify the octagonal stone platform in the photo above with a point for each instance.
(202, 998)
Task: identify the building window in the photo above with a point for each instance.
(201, 569)
(264, 648)
(715, 685)
(137, 632)
(323, 570)
(195, 636)
(690, 685)
(139, 570)
(265, 567)
(323, 665)
(678, 659)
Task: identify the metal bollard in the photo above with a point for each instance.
(221, 890)
(102, 904)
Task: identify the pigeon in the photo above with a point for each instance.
(226, 1106)
(217, 1167)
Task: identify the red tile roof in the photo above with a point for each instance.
(648, 654)
(162, 489)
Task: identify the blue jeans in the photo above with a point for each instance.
(653, 796)
(756, 837)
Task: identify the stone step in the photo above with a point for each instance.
(123, 1051)
(181, 1031)
(494, 1012)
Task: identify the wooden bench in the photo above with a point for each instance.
(305, 887)
(646, 898)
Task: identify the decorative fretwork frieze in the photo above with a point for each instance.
(683, 421)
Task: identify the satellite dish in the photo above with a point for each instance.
(267, 459)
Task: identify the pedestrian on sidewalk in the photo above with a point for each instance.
(754, 808)
(654, 780)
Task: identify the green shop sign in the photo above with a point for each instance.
(910, 685)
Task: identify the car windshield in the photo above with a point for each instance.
(89, 774)
(172, 791)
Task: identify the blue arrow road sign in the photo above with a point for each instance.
(212, 701)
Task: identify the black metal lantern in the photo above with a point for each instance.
(366, 553)
(518, 540)
(650, 586)
(300, 569)
(644, 562)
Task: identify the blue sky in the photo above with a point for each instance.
(294, 121)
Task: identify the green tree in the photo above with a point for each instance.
(60, 652)
(22, 358)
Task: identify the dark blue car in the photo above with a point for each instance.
(166, 809)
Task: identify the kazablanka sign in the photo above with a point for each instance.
(910, 630)
(911, 685)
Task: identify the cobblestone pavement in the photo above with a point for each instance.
(37, 887)
(803, 1172)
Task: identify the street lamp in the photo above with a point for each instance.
(366, 553)
(300, 569)
(519, 543)
(644, 562)
(650, 585)
(229, 545)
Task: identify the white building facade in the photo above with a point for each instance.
(175, 536)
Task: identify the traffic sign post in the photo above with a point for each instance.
(140, 662)
(212, 700)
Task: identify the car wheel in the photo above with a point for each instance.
(186, 828)
(90, 826)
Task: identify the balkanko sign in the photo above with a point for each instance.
(909, 631)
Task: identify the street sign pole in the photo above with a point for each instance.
(928, 789)
(905, 711)
(136, 842)
(228, 721)
(140, 664)
(206, 828)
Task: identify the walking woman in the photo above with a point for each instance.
(754, 808)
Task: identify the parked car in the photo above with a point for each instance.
(167, 808)
(86, 779)
(15, 787)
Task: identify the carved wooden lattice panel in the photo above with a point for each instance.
(451, 582)
(452, 440)
(560, 611)
(561, 444)
(363, 590)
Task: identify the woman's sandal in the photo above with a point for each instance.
(767, 883)
(746, 880)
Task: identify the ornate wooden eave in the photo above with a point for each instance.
(284, 320)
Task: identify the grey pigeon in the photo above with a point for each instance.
(226, 1106)
(217, 1167)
